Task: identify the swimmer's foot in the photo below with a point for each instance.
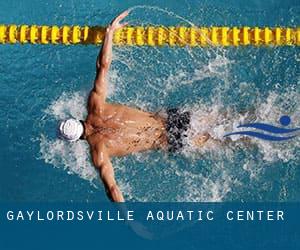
(200, 140)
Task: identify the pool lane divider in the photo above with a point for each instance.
(152, 35)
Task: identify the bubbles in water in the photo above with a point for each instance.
(68, 105)
(73, 157)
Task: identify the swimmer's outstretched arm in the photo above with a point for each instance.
(103, 164)
(105, 56)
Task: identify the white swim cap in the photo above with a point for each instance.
(70, 130)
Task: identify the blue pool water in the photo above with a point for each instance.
(42, 84)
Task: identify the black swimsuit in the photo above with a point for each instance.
(177, 124)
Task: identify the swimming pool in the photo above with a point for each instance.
(42, 84)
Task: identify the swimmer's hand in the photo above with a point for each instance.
(115, 24)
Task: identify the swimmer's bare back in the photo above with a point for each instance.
(113, 129)
(123, 130)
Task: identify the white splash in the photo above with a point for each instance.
(72, 157)
(215, 187)
(217, 121)
(68, 105)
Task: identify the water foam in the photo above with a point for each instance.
(72, 157)
(218, 120)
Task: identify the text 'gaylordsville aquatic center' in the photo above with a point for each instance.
(160, 216)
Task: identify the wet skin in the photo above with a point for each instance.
(123, 130)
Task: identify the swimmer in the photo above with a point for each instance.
(114, 130)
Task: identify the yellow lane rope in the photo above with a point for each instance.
(152, 35)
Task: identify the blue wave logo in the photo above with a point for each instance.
(279, 133)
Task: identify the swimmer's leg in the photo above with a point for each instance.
(200, 140)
